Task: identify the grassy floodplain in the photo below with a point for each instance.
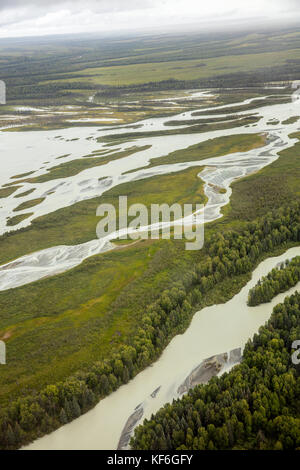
(212, 148)
(135, 263)
(90, 309)
(93, 308)
(77, 224)
(74, 167)
(141, 73)
(59, 326)
(108, 68)
(193, 129)
(25, 193)
(18, 218)
(5, 192)
(271, 100)
(270, 188)
(28, 204)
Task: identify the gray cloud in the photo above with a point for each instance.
(118, 5)
(38, 17)
(96, 5)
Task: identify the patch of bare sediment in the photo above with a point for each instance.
(48, 262)
(202, 374)
(210, 368)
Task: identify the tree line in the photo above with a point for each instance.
(224, 256)
(277, 281)
(253, 407)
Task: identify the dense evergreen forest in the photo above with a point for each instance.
(225, 256)
(278, 280)
(254, 406)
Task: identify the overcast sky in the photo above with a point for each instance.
(41, 17)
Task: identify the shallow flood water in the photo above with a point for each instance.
(22, 154)
(213, 330)
(219, 171)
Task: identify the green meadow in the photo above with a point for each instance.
(193, 129)
(63, 323)
(270, 188)
(5, 192)
(57, 325)
(15, 220)
(28, 204)
(113, 67)
(77, 223)
(117, 75)
(74, 167)
(212, 148)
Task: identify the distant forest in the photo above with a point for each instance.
(50, 68)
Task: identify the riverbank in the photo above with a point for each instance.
(213, 330)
